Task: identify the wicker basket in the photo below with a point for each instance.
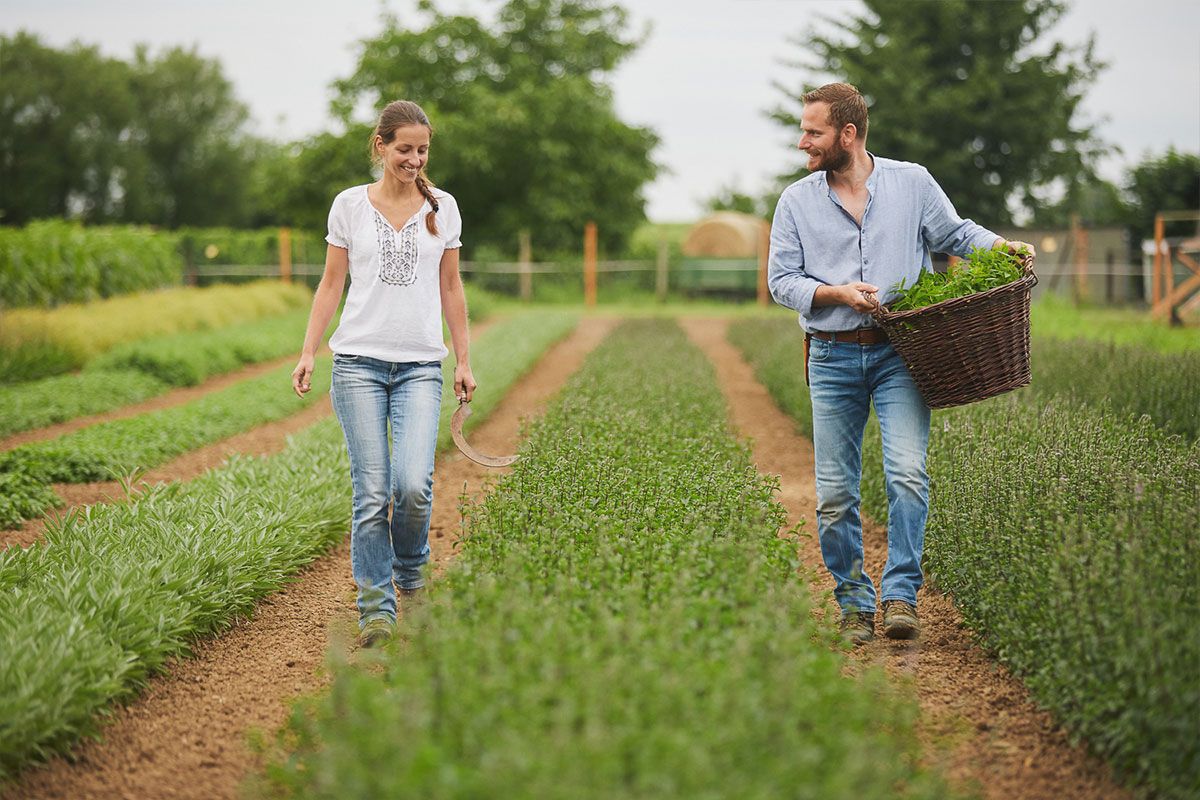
(969, 348)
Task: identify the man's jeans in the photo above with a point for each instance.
(844, 378)
(368, 394)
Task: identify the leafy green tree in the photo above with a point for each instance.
(1095, 203)
(62, 114)
(1170, 182)
(299, 188)
(187, 159)
(526, 131)
(972, 91)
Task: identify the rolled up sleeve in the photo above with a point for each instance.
(790, 285)
(943, 230)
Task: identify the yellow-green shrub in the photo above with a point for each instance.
(69, 336)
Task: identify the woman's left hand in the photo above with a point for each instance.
(464, 383)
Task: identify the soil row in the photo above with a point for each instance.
(978, 724)
(188, 735)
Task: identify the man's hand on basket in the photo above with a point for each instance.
(859, 296)
(1014, 247)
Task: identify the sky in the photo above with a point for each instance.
(703, 80)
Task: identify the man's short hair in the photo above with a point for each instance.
(846, 105)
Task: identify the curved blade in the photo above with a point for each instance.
(456, 425)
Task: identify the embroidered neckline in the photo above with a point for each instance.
(397, 251)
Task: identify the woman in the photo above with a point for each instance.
(398, 238)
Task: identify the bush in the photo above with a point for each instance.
(72, 335)
(51, 262)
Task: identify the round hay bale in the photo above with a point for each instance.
(725, 234)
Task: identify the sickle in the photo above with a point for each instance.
(456, 425)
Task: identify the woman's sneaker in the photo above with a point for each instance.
(857, 627)
(900, 620)
(375, 632)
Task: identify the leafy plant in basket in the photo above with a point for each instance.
(983, 269)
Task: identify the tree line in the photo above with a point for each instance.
(527, 135)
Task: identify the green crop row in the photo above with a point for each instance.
(125, 446)
(137, 370)
(526, 335)
(36, 343)
(111, 593)
(132, 372)
(114, 590)
(1130, 379)
(1066, 533)
(36, 404)
(186, 359)
(623, 621)
(52, 261)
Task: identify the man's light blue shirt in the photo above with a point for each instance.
(815, 241)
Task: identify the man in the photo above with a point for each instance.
(857, 225)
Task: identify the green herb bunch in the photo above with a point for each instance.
(982, 270)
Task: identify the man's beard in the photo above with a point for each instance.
(837, 159)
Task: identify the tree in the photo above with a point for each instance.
(159, 140)
(969, 90)
(1094, 203)
(526, 132)
(62, 114)
(187, 160)
(1170, 182)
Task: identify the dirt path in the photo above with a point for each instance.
(175, 397)
(978, 725)
(186, 735)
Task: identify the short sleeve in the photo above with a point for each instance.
(452, 220)
(338, 233)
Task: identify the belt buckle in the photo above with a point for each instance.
(858, 336)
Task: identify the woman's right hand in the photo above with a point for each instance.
(302, 375)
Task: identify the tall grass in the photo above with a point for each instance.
(36, 343)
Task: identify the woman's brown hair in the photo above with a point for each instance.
(399, 114)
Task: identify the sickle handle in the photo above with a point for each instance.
(456, 425)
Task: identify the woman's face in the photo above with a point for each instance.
(406, 155)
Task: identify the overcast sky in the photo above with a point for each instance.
(702, 80)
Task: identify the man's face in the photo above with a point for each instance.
(820, 140)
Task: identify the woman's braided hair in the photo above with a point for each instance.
(398, 114)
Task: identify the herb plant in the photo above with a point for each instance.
(983, 269)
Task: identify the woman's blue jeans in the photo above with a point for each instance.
(844, 379)
(368, 396)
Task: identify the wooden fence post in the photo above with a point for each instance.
(285, 255)
(660, 270)
(589, 264)
(525, 260)
(1080, 235)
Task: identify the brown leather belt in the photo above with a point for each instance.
(871, 335)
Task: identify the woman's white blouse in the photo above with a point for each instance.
(393, 311)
